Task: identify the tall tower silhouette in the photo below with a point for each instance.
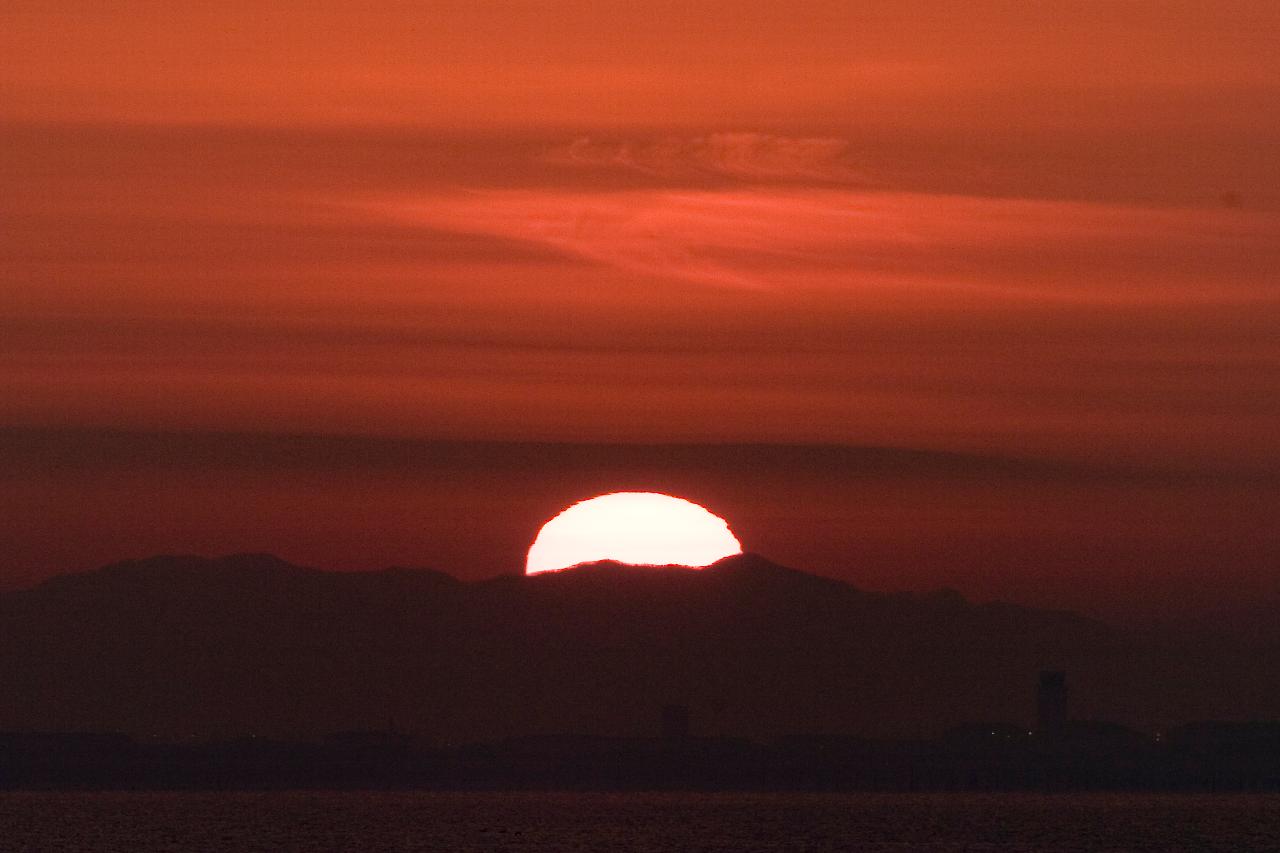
(1051, 703)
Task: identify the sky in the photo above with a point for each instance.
(1030, 250)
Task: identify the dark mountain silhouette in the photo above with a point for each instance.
(177, 647)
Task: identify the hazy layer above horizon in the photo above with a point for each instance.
(1126, 543)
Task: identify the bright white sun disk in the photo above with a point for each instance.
(639, 528)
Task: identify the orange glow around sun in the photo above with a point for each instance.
(638, 528)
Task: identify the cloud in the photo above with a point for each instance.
(739, 156)
(843, 240)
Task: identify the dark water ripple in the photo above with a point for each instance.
(643, 823)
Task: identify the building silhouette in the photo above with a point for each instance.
(1051, 703)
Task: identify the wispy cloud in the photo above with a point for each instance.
(843, 239)
(741, 156)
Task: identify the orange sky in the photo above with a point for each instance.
(1037, 230)
(476, 63)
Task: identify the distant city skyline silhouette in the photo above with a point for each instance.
(603, 676)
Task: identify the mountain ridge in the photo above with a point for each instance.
(747, 564)
(183, 646)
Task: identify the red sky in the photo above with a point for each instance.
(1045, 231)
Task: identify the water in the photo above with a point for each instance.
(644, 823)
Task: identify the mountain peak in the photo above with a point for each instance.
(252, 643)
(749, 561)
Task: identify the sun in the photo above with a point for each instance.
(638, 528)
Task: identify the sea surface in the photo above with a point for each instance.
(653, 823)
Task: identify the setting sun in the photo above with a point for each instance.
(640, 528)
